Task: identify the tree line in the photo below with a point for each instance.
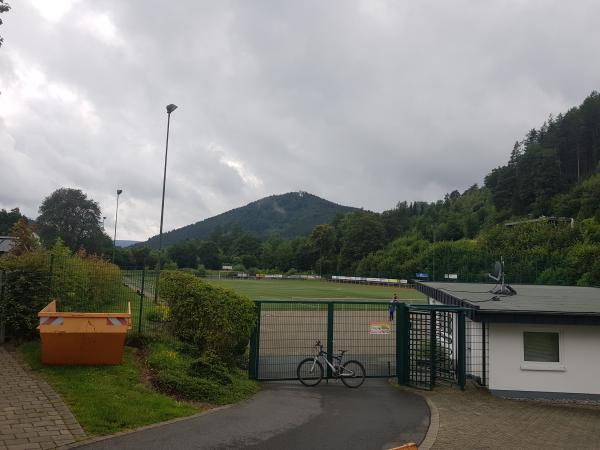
(553, 171)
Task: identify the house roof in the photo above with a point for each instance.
(533, 299)
(6, 243)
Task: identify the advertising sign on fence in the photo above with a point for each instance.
(380, 327)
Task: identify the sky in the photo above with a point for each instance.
(363, 102)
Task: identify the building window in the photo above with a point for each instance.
(541, 346)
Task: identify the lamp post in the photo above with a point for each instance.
(103, 219)
(119, 192)
(170, 108)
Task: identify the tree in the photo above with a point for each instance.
(26, 240)
(184, 253)
(208, 255)
(360, 233)
(4, 7)
(8, 219)
(68, 214)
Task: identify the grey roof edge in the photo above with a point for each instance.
(446, 297)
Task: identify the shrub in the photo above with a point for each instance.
(32, 279)
(158, 313)
(211, 367)
(186, 386)
(176, 372)
(26, 292)
(210, 317)
(83, 283)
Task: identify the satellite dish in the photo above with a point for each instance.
(503, 289)
(498, 271)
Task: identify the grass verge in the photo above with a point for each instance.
(107, 399)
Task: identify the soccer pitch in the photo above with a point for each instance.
(315, 289)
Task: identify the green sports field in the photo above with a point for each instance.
(314, 289)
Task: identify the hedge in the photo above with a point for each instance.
(206, 316)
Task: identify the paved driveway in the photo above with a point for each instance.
(290, 416)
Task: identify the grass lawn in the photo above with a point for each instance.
(107, 399)
(307, 289)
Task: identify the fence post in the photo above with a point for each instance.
(402, 336)
(51, 276)
(432, 347)
(329, 337)
(254, 346)
(141, 301)
(462, 350)
(483, 355)
(2, 307)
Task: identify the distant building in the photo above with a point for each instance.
(6, 244)
(542, 342)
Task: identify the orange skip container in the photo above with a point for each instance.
(70, 338)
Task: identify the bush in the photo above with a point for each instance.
(79, 283)
(186, 386)
(158, 313)
(26, 291)
(211, 367)
(83, 283)
(209, 317)
(176, 372)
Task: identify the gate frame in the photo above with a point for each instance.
(402, 336)
(461, 345)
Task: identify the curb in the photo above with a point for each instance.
(434, 419)
(434, 425)
(145, 427)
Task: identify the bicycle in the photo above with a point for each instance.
(310, 370)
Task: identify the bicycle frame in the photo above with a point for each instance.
(322, 355)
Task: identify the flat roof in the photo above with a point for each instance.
(6, 243)
(534, 299)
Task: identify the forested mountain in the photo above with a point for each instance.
(553, 171)
(285, 216)
(549, 161)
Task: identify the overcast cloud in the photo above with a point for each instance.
(365, 103)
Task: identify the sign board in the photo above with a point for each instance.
(403, 281)
(380, 327)
(451, 276)
(422, 275)
(227, 267)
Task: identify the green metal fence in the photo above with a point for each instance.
(79, 285)
(422, 346)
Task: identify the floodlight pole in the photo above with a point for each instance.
(170, 108)
(433, 248)
(119, 192)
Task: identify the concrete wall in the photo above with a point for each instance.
(578, 371)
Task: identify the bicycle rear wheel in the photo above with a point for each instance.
(353, 374)
(310, 372)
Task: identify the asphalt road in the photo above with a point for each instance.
(290, 416)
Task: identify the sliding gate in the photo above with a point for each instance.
(420, 347)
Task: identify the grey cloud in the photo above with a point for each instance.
(365, 103)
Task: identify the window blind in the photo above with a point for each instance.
(541, 347)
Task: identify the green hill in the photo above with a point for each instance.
(286, 216)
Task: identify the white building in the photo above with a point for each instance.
(542, 342)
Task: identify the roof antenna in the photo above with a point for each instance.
(503, 289)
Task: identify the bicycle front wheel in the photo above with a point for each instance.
(353, 374)
(310, 372)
